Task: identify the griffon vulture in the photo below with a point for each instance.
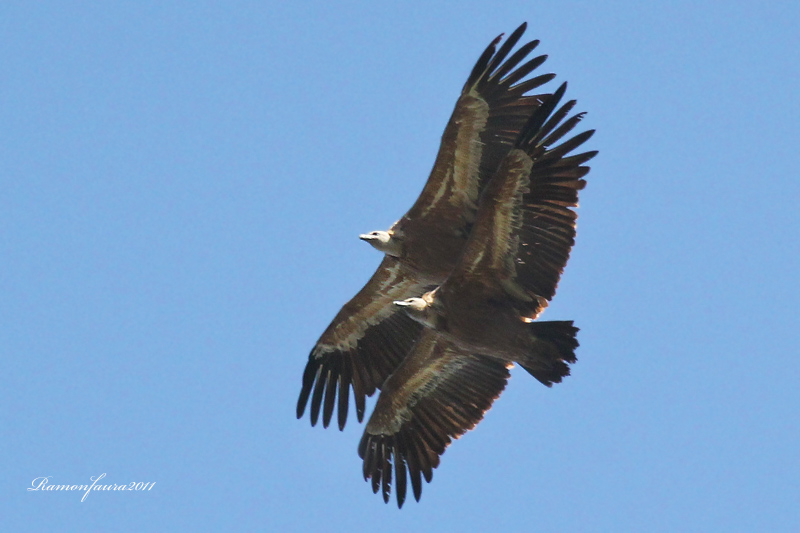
(369, 337)
(480, 319)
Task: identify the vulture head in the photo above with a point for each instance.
(385, 241)
(423, 310)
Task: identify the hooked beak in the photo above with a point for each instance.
(366, 237)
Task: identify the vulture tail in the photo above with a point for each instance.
(553, 346)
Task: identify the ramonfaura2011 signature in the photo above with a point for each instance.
(42, 483)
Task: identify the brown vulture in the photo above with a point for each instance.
(480, 319)
(369, 337)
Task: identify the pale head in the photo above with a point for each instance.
(385, 241)
(423, 309)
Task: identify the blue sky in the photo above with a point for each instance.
(182, 186)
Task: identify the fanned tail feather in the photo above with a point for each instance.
(554, 349)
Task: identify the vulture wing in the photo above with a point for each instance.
(437, 394)
(362, 346)
(525, 227)
(487, 119)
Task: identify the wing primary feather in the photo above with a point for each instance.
(344, 392)
(386, 471)
(562, 130)
(503, 51)
(539, 117)
(512, 62)
(554, 120)
(571, 161)
(567, 146)
(366, 466)
(363, 444)
(316, 399)
(399, 476)
(527, 85)
(309, 375)
(376, 477)
(330, 393)
(523, 71)
(416, 482)
(480, 66)
(412, 462)
(361, 406)
(370, 459)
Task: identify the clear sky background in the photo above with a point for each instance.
(181, 189)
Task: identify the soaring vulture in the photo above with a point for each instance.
(369, 337)
(480, 319)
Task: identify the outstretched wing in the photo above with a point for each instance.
(437, 394)
(487, 119)
(525, 227)
(366, 341)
